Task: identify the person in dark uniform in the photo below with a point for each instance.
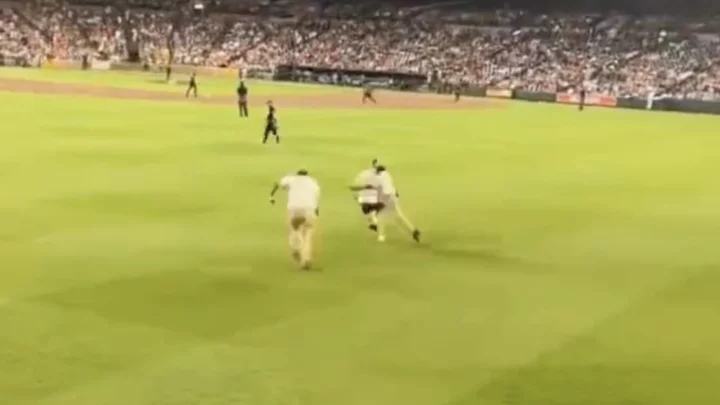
(168, 73)
(583, 93)
(456, 93)
(271, 126)
(368, 95)
(242, 92)
(192, 85)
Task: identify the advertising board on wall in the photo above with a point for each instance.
(100, 64)
(498, 93)
(591, 99)
(61, 64)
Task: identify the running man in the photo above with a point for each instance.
(366, 187)
(388, 200)
(368, 94)
(303, 210)
(271, 123)
(192, 86)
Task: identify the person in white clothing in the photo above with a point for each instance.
(388, 203)
(303, 206)
(366, 187)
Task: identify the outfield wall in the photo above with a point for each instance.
(389, 80)
(636, 103)
(250, 72)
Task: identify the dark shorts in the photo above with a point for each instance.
(367, 208)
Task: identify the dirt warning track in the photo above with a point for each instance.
(386, 99)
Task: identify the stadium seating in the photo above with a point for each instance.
(610, 54)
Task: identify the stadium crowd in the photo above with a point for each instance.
(608, 54)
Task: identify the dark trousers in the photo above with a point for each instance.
(192, 87)
(271, 128)
(368, 96)
(581, 107)
(242, 108)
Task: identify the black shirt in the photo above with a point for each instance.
(271, 119)
(242, 91)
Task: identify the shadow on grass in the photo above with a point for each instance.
(481, 251)
(192, 302)
(484, 254)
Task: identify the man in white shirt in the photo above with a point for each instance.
(388, 200)
(303, 207)
(366, 186)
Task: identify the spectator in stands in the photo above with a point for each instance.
(615, 55)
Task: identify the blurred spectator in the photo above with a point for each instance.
(615, 55)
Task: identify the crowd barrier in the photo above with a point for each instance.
(591, 99)
(176, 68)
(697, 106)
(62, 64)
(636, 103)
(498, 93)
(410, 82)
(476, 91)
(534, 96)
(391, 80)
(100, 65)
(14, 60)
(347, 77)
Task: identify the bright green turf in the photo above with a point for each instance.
(570, 258)
(208, 85)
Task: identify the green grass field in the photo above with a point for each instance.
(569, 258)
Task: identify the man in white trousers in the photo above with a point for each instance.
(303, 208)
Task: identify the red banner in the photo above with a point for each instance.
(591, 99)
